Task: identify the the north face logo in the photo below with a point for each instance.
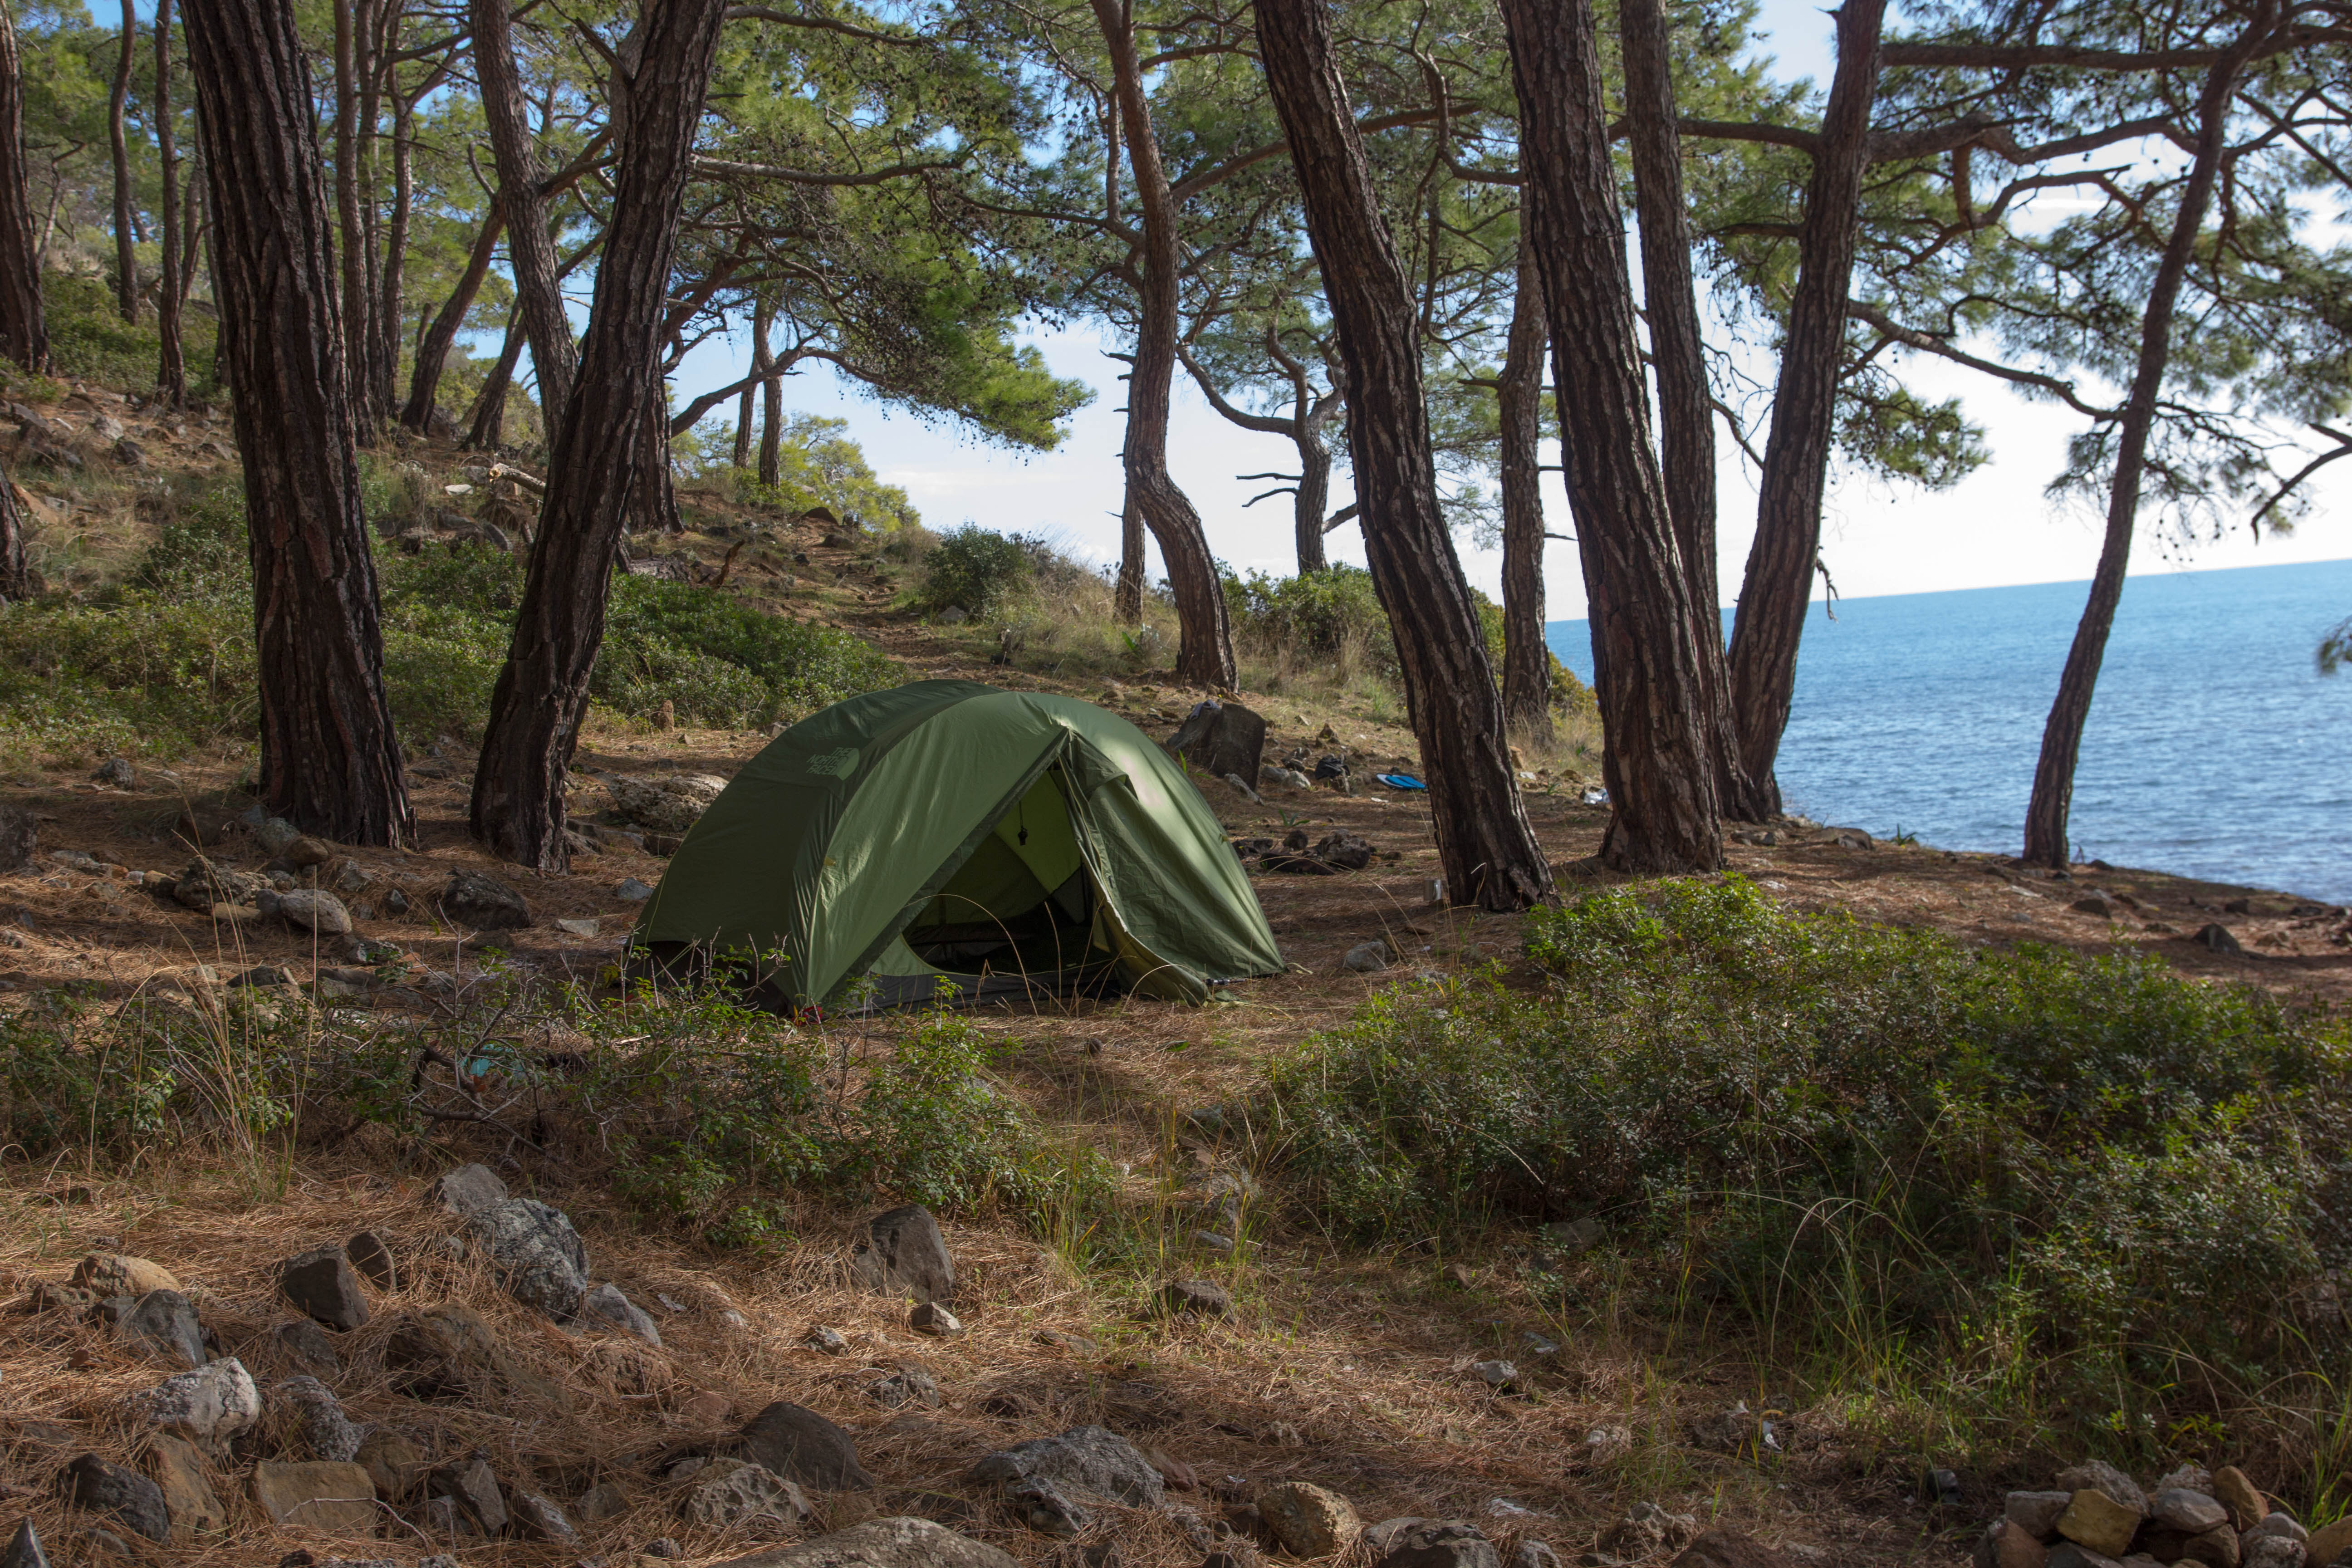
(838, 764)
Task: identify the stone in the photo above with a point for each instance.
(2006, 1544)
(2240, 1496)
(1648, 1530)
(2191, 1513)
(103, 1544)
(600, 1502)
(161, 1324)
(629, 890)
(2071, 1555)
(931, 1318)
(2329, 1542)
(393, 1463)
(1085, 1463)
(666, 803)
(1535, 1555)
(2216, 938)
(540, 1259)
(114, 1274)
(2278, 1523)
(2096, 903)
(895, 1543)
(1729, 1549)
(539, 1518)
(907, 1385)
(2097, 1474)
(1366, 958)
(1193, 1298)
(1220, 739)
(1430, 1544)
(23, 1549)
(2194, 1476)
(902, 1250)
(208, 1406)
(116, 771)
(2273, 1551)
(314, 910)
(802, 1446)
(466, 1191)
(181, 1474)
(727, 1493)
(324, 1287)
(825, 1341)
(1495, 1374)
(90, 1482)
(20, 837)
(2215, 1549)
(306, 1344)
(373, 1258)
(333, 1498)
(310, 1421)
(2036, 1513)
(580, 927)
(1308, 1520)
(448, 1350)
(2095, 1519)
(482, 902)
(1344, 850)
(473, 1486)
(607, 1305)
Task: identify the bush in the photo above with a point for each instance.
(89, 341)
(981, 571)
(2033, 1173)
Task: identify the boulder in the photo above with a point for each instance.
(908, 1386)
(448, 1350)
(1729, 1549)
(466, 1191)
(606, 1304)
(1647, 1530)
(208, 1406)
(2097, 1474)
(1193, 1298)
(2216, 938)
(20, 840)
(1366, 958)
(161, 1324)
(600, 1502)
(931, 1318)
(2275, 1551)
(180, 1473)
(1430, 1544)
(799, 1445)
(2036, 1513)
(324, 1287)
(306, 1345)
(667, 804)
(1535, 1555)
(1220, 739)
(133, 1501)
(373, 1258)
(727, 1493)
(314, 910)
(1085, 1464)
(539, 1518)
(393, 1463)
(1308, 1520)
(2240, 1496)
(896, 1542)
(2329, 1542)
(481, 902)
(2096, 1519)
(2191, 1513)
(539, 1257)
(309, 1421)
(473, 1487)
(113, 1274)
(902, 1250)
(332, 1499)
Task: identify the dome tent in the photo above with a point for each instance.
(952, 840)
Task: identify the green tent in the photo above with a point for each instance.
(949, 840)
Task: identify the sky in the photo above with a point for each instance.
(1994, 528)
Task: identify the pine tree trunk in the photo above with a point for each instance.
(2052, 803)
(742, 454)
(654, 504)
(1204, 655)
(350, 247)
(329, 761)
(1127, 593)
(1314, 497)
(24, 326)
(391, 308)
(1488, 851)
(1787, 552)
(771, 399)
(15, 569)
(1527, 662)
(170, 366)
(531, 246)
(433, 351)
(126, 234)
(486, 422)
(597, 458)
(1657, 765)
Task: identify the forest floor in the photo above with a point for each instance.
(1348, 1366)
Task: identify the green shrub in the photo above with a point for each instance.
(89, 341)
(2041, 1173)
(981, 571)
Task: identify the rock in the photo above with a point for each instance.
(23, 1549)
(2215, 1549)
(1219, 740)
(825, 1341)
(902, 1249)
(103, 1544)
(272, 833)
(802, 1446)
(1495, 1374)
(1430, 1544)
(20, 837)
(1269, 775)
(668, 803)
(186, 1482)
(2273, 1551)
(2240, 1496)
(449, 1351)
(314, 910)
(2097, 1474)
(2036, 1513)
(541, 1258)
(1193, 1298)
(579, 927)
(117, 771)
(311, 1421)
(481, 902)
(730, 1493)
(607, 1304)
(907, 1385)
(931, 1318)
(324, 1287)
(467, 1190)
(113, 1274)
(2189, 1512)
(1308, 1520)
(2095, 1519)
(162, 1324)
(2216, 938)
(208, 1406)
(1345, 851)
(629, 890)
(393, 1463)
(1729, 1549)
(305, 1344)
(1366, 958)
(1647, 1530)
(896, 1542)
(91, 1483)
(2277, 1523)
(2329, 1542)
(471, 1485)
(373, 1258)
(1535, 1555)
(1083, 1463)
(330, 1498)
(2006, 1544)
(539, 1518)
(600, 1502)
(305, 852)
(2196, 1478)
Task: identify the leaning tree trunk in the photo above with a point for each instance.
(433, 351)
(171, 365)
(530, 247)
(390, 307)
(2053, 800)
(653, 505)
(1204, 655)
(486, 422)
(1527, 662)
(1787, 550)
(1490, 853)
(126, 234)
(1127, 592)
(15, 567)
(1314, 497)
(329, 761)
(772, 400)
(24, 328)
(597, 456)
(742, 455)
(359, 326)
(1645, 657)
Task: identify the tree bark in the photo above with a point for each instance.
(1313, 500)
(771, 399)
(15, 569)
(1787, 552)
(654, 503)
(170, 366)
(351, 249)
(1204, 655)
(531, 246)
(433, 352)
(1127, 593)
(742, 454)
(24, 326)
(485, 421)
(2052, 803)
(1489, 852)
(390, 307)
(330, 761)
(1656, 764)
(597, 456)
(126, 234)
(1527, 662)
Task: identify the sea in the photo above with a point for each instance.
(2215, 748)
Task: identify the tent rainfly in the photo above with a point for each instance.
(948, 840)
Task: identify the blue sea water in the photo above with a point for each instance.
(2214, 749)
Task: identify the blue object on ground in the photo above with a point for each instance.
(1400, 780)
